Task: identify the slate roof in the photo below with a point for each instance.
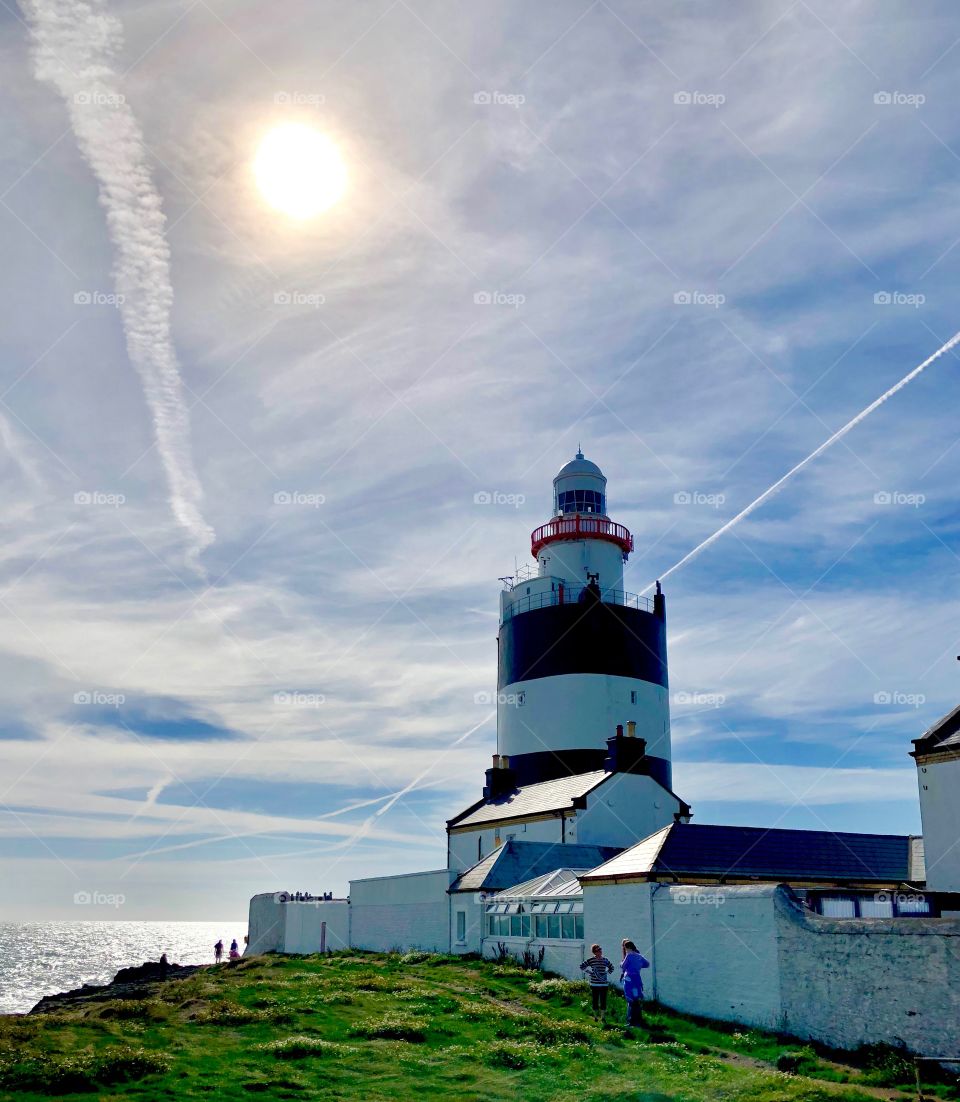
(700, 850)
(533, 799)
(517, 862)
(943, 735)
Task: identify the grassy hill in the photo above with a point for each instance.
(372, 1027)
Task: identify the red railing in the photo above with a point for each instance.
(579, 527)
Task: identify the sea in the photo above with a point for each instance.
(43, 958)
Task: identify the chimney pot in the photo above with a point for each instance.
(631, 728)
(619, 730)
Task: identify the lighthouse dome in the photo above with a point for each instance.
(579, 465)
(580, 487)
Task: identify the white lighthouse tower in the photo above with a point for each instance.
(577, 654)
(583, 717)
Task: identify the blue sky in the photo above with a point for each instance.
(194, 716)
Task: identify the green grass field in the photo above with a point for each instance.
(364, 1027)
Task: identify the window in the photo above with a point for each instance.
(578, 932)
(553, 926)
(541, 926)
(880, 906)
(514, 925)
(913, 905)
(524, 925)
(479, 846)
(633, 696)
(461, 925)
(581, 501)
(568, 926)
(834, 907)
(492, 927)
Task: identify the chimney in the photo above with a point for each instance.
(500, 778)
(626, 754)
(631, 728)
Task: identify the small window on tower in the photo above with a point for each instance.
(633, 696)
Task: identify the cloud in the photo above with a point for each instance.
(400, 397)
(74, 48)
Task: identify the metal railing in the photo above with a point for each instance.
(580, 526)
(572, 596)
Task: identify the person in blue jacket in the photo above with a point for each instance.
(630, 967)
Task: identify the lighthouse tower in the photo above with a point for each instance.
(578, 655)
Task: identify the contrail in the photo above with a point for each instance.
(75, 42)
(852, 423)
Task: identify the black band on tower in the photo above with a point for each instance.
(583, 638)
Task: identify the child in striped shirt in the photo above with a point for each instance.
(598, 969)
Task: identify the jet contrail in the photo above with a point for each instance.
(74, 46)
(852, 423)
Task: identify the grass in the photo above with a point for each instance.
(359, 1027)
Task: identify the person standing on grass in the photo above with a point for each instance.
(630, 967)
(218, 951)
(598, 969)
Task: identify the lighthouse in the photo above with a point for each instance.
(578, 655)
(583, 717)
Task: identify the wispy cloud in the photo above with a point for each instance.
(74, 48)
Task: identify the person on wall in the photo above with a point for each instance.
(598, 969)
(630, 968)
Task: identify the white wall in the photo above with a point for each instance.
(303, 929)
(753, 954)
(613, 913)
(940, 813)
(625, 809)
(401, 912)
(573, 711)
(475, 912)
(265, 925)
(573, 559)
(463, 847)
(563, 957)
(717, 952)
(294, 926)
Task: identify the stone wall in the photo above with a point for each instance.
(851, 982)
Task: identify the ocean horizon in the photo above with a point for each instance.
(44, 958)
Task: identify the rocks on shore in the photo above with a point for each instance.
(128, 983)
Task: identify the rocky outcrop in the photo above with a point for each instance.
(135, 982)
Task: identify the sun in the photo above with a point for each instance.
(299, 170)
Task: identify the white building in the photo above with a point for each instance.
(577, 836)
(937, 753)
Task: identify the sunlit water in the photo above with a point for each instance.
(42, 958)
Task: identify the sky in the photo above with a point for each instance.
(260, 475)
